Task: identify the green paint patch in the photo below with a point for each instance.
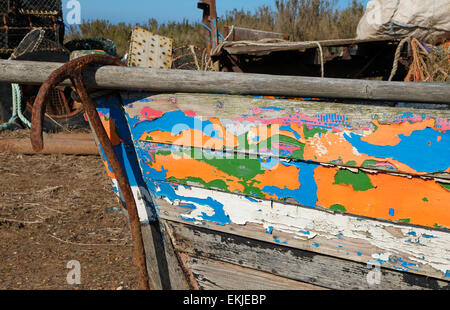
(436, 225)
(375, 127)
(298, 154)
(270, 144)
(309, 133)
(164, 153)
(369, 163)
(351, 163)
(359, 181)
(217, 184)
(242, 168)
(251, 190)
(237, 165)
(425, 199)
(445, 185)
(338, 207)
(405, 220)
(148, 138)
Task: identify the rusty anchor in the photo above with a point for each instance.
(73, 71)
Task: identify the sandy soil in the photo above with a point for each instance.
(55, 209)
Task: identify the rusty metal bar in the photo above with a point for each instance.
(74, 71)
(210, 20)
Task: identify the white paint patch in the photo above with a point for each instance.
(355, 151)
(318, 146)
(141, 196)
(293, 219)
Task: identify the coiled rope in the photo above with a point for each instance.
(397, 57)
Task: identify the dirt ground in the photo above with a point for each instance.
(55, 209)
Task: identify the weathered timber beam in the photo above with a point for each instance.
(63, 145)
(161, 80)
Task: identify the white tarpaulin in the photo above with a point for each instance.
(427, 20)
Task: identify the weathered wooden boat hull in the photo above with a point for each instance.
(265, 193)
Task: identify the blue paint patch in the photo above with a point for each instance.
(307, 193)
(316, 245)
(168, 190)
(412, 233)
(219, 217)
(304, 232)
(278, 241)
(358, 253)
(272, 108)
(269, 230)
(447, 273)
(251, 199)
(377, 261)
(411, 149)
(268, 163)
(427, 236)
(288, 128)
(187, 219)
(174, 122)
(405, 266)
(391, 212)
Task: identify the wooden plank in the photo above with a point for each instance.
(67, 146)
(110, 77)
(240, 34)
(373, 195)
(368, 241)
(215, 275)
(162, 264)
(377, 138)
(265, 48)
(319, 270)
(320, 137)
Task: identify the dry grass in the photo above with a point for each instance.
(302, 19)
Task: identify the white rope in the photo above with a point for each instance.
(229, 34)
(322, 65)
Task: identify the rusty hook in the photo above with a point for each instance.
(73, 70)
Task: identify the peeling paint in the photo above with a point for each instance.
(279, 168)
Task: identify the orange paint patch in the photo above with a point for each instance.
(110, 128)
(330, 146)
(280, 176)
(424, 202)
(110, 173)
(388, 134)
(188, 167)
(190, 137)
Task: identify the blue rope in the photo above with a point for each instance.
(17, 99)
(16, 108)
